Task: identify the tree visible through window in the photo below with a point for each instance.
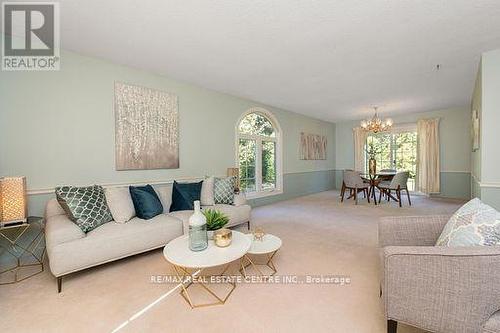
(398, 151)
(258, 144)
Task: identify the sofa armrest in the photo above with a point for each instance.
(411, 230)
(240, 199)
(441, 289)
(60, 229)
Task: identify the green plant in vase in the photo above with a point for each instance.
(372, 151)
(215, 220)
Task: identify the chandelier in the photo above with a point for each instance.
(375, 124)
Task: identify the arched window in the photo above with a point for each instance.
(259, 153)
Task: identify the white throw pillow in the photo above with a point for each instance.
(207, 192)
(120, 203)
(474, 224)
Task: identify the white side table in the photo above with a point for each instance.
(268, 246)
(188, 264)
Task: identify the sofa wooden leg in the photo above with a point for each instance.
(392, 326)
(248, 225)
(59, 284)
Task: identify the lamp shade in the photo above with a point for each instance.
(236, 173)
(13, 207)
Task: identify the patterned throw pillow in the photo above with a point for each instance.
(86, 206)
(475, 223)
(224, 190)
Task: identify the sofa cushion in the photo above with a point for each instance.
(146, 202)
(165, 194)
(86, 206)
(224, 190)
(184, 195)
(475, 223)
(236, 214)
(53, 208)
(182, 215)
(112, 241)
(120, 203)
(207, 192)
(240, 199)
(59, 228)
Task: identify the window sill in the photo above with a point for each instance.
(263, 194)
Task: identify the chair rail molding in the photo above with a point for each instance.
(50, 190)
(485, 184)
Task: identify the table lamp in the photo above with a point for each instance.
(236, 173)
(13, 207)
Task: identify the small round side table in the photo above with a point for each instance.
(189, 265)
(268, 246)
(22, 250)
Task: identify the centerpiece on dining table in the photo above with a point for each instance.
(372, 151)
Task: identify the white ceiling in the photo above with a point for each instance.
(330, 59)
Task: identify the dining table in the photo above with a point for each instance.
(374, 179)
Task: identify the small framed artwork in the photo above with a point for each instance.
(312, 147)
(475, 130)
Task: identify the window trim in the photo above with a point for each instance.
(278, 138)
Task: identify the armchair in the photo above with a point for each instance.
(439, 289)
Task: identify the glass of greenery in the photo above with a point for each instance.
(215, 220)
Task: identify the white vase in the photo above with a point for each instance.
(198, 239)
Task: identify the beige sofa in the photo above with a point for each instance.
(71, 250)
(437, 288)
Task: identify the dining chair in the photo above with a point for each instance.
(387, 177)
(354, 183)
(397, 184)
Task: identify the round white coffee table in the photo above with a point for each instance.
(268, 246)
(188, 264)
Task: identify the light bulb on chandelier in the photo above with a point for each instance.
(375, 124)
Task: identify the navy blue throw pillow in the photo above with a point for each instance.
(184, 195)
(146, 202)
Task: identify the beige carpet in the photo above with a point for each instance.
(320, 236)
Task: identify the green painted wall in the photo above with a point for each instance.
(58, 128)
(476, 155)
(486, 98)
(455, 148)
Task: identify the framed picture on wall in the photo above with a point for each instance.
(475, 130)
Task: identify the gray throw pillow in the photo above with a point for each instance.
(86, 206)
(224, 190)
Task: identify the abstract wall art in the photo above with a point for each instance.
(146, 128)
(313, 146)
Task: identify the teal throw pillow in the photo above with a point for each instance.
(184, 195)
(146, 202)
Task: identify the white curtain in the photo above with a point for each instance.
(428, 156)
(360, 136)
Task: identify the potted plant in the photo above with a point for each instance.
(372, 151)
(215, 221)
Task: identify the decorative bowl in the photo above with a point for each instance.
(223, 237)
